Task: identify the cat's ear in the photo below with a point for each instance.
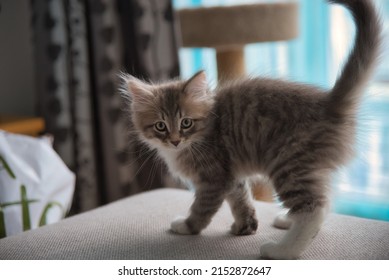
(197, 85)
(135, 89)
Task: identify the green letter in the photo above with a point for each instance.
(42, 221)
(7, 168)
(2, 223)
(25, 210)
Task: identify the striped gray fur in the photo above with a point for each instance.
(294, 134)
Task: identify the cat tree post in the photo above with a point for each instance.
(230, 62)
(229, 28)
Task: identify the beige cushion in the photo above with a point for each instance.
(138, 228)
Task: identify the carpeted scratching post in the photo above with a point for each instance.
(228, 29)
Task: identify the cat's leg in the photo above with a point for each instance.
(243, 211)
(306, 198)
(207, 201)
(304, 227)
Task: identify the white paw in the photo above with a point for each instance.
(179, 226)
(282, 221)
(275, 251)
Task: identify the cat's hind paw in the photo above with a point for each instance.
(282, 221)
(275, 251)
(179, 226)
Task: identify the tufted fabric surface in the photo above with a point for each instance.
(138, 228)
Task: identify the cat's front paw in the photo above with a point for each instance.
(275, 251)
(247, 228)
(179, 226)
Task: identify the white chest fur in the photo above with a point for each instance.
(170, 159)
(176, 168)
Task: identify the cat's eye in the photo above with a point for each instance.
(160, 126)
(186, 123)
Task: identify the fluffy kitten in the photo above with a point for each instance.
(294, 134)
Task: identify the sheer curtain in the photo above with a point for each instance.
(362, 188)
(316, 56)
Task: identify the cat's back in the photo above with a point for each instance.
(259, 119)
(271, 98)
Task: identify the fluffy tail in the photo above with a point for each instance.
(345, 95)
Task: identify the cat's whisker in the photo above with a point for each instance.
(205, 145)
(151, 175)
(144, 163)
(202, 162)
(139, 155)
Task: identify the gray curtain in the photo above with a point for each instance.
(80, 47)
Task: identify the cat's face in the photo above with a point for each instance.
(170, 116)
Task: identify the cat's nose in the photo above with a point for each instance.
(175, 143)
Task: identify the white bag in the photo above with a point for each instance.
(36, 187)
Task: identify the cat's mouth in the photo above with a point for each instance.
(169, 145)
(177, 145)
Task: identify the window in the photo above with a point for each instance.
(316, 56)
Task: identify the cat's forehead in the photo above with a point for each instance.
(170, 99)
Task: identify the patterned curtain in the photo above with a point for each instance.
(80, 47)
